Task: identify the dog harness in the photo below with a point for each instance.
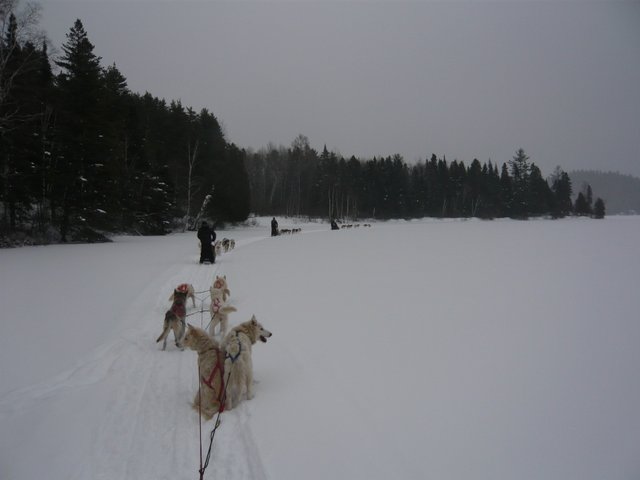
(235, 357)
(215, 306)
(179, 310)
(218, 367)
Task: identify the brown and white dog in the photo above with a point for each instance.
(238, 364)
(174, 319)
(188, 288)
(211, 369)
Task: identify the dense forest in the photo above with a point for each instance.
(82, 155)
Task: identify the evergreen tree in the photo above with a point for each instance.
(581, 206)
(474, 188)
(589, 196)
(520, 170)
(562, 192)
(598, 208)
(584, 202)
(540, 196)
(23, 80)
(80, 187)
(506, 192)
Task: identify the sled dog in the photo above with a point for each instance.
(188, 288)
(220, 283)
(211, 369)
(174, 319)
(220, 311)
(218, 248)
(237, 363)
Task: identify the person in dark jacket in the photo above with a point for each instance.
(334, 225)
(274, 227)
(206, 236)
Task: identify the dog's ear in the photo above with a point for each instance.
(254, 320)
(190, 327)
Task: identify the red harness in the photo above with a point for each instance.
(218, 367)
(215, 306)
(179, 310)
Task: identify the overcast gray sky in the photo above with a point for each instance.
(464, 79)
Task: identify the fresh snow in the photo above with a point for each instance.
(428, 349)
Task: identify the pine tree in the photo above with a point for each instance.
(562, 191)
(80, 186)
(539, 195)
(581, 205)
(22, 87)
(598, 208)
(506, 192)
(474, 188)
(520, 170)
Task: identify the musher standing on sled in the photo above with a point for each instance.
(206, 236)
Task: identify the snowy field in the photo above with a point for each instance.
(430, 349)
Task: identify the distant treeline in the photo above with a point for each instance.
(299, 181)
(80, 154)
(620, 192)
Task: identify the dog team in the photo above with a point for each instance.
(224, 246)
(225, 367)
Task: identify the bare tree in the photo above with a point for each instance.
(192, 158)
(17, 27)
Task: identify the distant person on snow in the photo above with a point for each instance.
(334, 225)
(206, 236)
(274, 227)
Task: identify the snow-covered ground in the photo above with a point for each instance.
(410, 350)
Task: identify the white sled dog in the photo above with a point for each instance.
(220, 283)
(211, 368)
(238, 364)
(174, 320)
(188, 288)
(218, 248)
(220, 311)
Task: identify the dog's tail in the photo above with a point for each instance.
(228, 309)
(164, 333)
(165, 330)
